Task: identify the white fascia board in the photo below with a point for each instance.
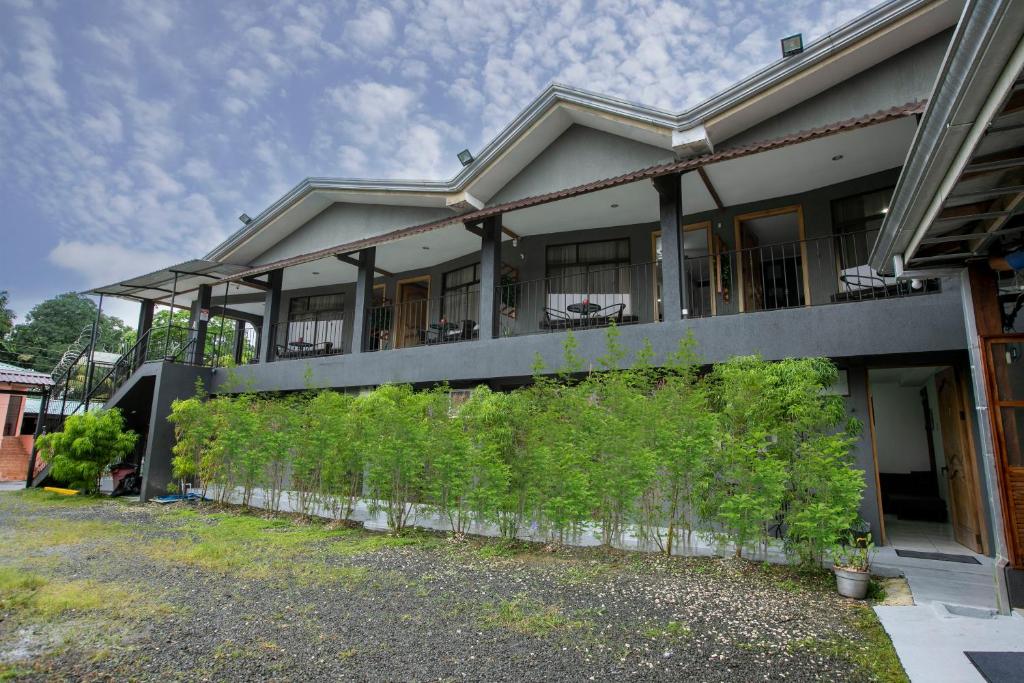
(691, 141)
(464, 202)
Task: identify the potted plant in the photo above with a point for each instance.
(851, 560)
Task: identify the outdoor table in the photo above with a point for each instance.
(584, 308)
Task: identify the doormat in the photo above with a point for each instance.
(945, 557)
(998, 667)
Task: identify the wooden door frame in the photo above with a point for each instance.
(972, 452)
(398, 302)
(798, 209)
(712, 255)
(1010, 533)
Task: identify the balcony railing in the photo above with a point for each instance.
(312, 336)
(423, 322)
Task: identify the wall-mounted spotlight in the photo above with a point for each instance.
(792, 45)
(245, 218)
(465, 157)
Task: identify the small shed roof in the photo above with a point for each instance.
(17, 375)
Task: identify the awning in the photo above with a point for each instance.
(161, 284)
(961, 192)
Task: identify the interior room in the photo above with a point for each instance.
(771, 260)
(925, 460)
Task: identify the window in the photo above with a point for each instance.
(855, 222)
(316, 322)
(589, 268)
(460, 293)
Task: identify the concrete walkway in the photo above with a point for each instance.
(954, 612)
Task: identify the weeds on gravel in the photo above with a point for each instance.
(34, 597)
(528, 617)
(42, 533)
(672, 630)
(872, 652)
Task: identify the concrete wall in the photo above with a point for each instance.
(580, 155)
(906, 77)
(343, 223)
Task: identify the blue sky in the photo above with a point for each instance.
(134, 132)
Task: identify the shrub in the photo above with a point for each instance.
(89, 443)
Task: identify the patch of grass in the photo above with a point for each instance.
(872, 653)
(35, 597)
(14, 672)
(42, 534)
(272, 548)
(527, 616)
(582, 574)
(41, 498)
(675, 630)
(502, 549)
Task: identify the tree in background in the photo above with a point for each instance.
(53, 325)
(6, 323)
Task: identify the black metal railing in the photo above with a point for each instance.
(308, 337)
(621, 294)
(423, 322)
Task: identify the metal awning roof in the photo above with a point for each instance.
(180, 278)
(961, 193)
(12, 374)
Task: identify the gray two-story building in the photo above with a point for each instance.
(751, 220)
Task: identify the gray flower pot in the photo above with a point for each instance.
(852, 584)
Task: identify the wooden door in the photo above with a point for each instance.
(1004, 365)
(412, 299)
(960, 463)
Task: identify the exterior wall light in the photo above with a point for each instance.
(792, 45)
(245, 218)
(465, 157)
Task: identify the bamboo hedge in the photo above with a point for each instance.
(741, 453)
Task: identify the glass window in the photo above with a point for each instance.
(460, 293)
(316, 323)
(855, 222)
(589, 268)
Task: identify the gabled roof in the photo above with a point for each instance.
(12, 374)
(909, 109)
(867, 40)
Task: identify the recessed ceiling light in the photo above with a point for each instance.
(615, 206)
(837, 157)
(885, 209)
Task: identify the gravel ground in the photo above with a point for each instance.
(196, 594)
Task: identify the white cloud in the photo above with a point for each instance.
(105, 125)
(39, 60)
(371, 31)
(102, 263)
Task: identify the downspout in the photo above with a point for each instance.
(978, 128)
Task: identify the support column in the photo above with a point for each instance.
(200, 323)
(143, 328)
(364, 297)
(239, 341)
(90, 367)
(490, 276)
(673, 267)
(44, 409)
(271, 313)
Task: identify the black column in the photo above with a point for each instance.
(364, 297)
(201, 315)
(673, 296)
(239, 341)
(145, 324)
(44, 409)
(490, 276)
(271, 313)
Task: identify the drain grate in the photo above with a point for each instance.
(944, 557)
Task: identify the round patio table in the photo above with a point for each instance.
(585, 309)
